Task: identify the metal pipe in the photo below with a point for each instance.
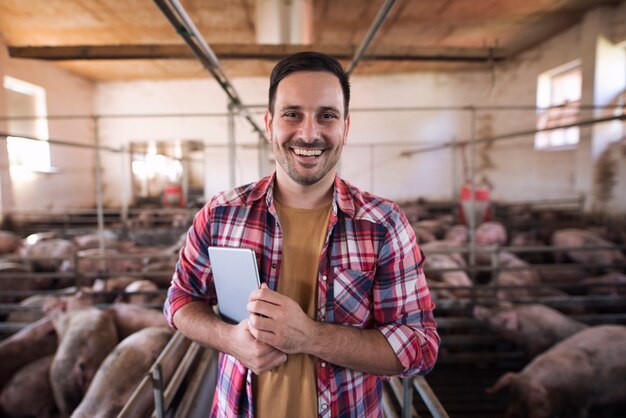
(157, 386)
(397, 388)
(388, 409)
(456, 108)
(130, 408)
(99, 205)
(178, 17)
(471, 216)
(407, 398)
(371, 33)
(231, 146)
(264, 106)
(177, 378)
(207, 359)
(512, 135)
(430, 399)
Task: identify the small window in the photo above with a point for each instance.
(26, 104)
(558, 93)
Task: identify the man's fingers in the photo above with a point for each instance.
(266, 294)
(260, 307)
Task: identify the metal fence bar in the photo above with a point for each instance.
(430, 399)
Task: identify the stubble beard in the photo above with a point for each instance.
(285, 159)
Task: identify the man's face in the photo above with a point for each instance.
(308, 129)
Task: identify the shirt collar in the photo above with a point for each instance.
(341, 195)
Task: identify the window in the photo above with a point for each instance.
(25, 100)
(558, 92)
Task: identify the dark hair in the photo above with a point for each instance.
(308, 61)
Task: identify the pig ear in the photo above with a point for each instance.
(504, 381)
(511, 321)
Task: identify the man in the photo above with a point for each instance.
(344, 300)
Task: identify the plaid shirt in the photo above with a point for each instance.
(370, 276)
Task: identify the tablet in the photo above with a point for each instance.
(235, 275)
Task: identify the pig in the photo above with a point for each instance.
(415, 211)
(122, 371)
(436, 227)
(520, 274)
(92, 241)
(529, 239)
(19, 284)
(114, 264)
(36, 304)
(54, 252)
(586, 369)
(431, 248)
(111, 288)
(570, 273)
(159, 273)
(9, 242)
(132, 318)
(140, 286)
(534, 327)
(88, 336)
(29, 393)
(32, 342)
(452, 278)
(613, 284)
(580, 238)
(458, 234)
(423, 235)
(491, 233)
(40, 236)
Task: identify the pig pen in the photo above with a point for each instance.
(473, 356)
(62, 266)
(518, 269)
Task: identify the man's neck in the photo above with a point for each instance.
(295, 195)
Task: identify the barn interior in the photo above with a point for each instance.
(498, 126)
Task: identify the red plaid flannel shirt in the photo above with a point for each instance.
(370, 276)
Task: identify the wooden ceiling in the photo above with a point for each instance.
(417, 35)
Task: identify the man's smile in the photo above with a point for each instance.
(309, 153)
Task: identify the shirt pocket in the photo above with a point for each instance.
(352, 292)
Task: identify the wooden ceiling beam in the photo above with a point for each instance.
(252, 51)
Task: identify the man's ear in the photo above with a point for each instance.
(268, 125)
(346, 130)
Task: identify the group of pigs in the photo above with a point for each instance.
(575, 366)
(86, 348)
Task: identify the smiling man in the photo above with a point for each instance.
(344, 300)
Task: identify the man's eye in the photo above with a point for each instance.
(328, 116)
(290, 114)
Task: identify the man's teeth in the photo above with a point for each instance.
(308, 152)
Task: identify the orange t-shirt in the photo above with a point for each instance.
(291, 389)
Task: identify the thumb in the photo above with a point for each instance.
(264, 285)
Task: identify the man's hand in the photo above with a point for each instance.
(279, 321)
(197, 321)
(255, 355)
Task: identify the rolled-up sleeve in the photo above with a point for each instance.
(192, 279)
(403, 309)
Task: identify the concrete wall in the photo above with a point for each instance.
(72, 186)
(374, 158)
(382, 169)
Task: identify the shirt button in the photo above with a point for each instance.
(273, 265)
(323, 364)
(324, 277)
(324, 406)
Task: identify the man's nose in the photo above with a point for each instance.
(309, 130)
